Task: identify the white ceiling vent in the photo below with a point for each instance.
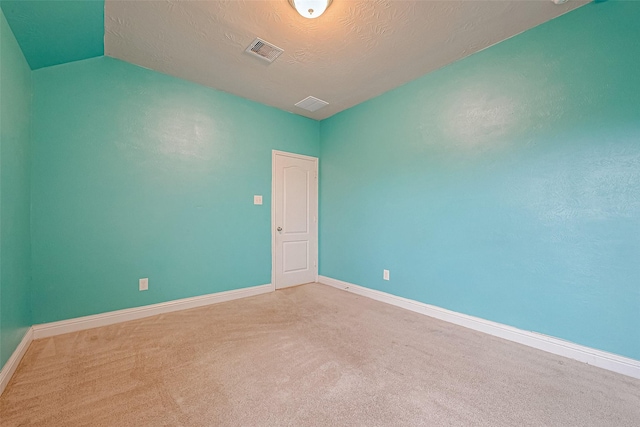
(264, 50)
(311, 103)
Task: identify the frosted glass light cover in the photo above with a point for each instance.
(310, 8)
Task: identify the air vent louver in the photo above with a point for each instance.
(264, 50)
(311, 103)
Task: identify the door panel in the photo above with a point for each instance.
(295, 256)
(295, 213)
(296, 200)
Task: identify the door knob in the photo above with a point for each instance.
(279, 228)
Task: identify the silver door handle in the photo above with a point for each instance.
(279, 228)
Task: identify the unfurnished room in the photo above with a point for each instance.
(319, 213)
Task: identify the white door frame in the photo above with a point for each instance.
(275, 153)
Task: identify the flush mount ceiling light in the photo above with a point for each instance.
(310, 8)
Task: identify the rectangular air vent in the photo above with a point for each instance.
(264, 50)
(311, 103)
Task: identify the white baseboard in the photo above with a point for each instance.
(12, 364)
(591, 356)
(45, 330)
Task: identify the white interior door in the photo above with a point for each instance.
(294, 219)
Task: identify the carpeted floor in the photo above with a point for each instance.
(306, 356)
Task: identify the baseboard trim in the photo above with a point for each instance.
(10, 367)
(591, 356)
(45, 330)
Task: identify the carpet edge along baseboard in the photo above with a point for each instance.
(591, 356)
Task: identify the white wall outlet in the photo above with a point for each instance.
(257, 200)
(385, 274)
(143, 284)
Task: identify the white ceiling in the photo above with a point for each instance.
(357, 50)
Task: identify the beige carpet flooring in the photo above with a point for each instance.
(306, 356)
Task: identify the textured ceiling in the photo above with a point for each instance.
(357, 50)
(52, 32)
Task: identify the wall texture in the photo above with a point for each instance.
(504, 186)
(52, 32)
(139, 174)
(15, 249)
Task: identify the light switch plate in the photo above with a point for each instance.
(257, 200)
(143, 284)
(385, 274)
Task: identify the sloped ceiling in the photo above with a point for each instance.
(357, 50)
(52, 32)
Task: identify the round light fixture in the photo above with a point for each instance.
(310, 8)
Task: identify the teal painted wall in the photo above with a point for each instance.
(139, 174)
(504, 186)
(15, 234)
(52, 32)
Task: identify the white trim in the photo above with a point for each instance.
(316, 160)
(45, 330)
(10, 367)
(273, 217)
(294, 155)
(103, 319)
(602, 359)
